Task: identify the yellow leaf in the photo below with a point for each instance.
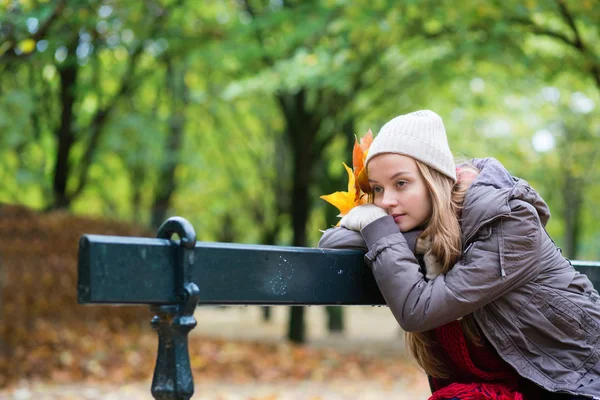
(340, 200)
(351, 181)
(358, 186)
(343, 201)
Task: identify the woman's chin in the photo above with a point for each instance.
(404, 227)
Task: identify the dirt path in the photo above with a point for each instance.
(342, 390)
(370, 331)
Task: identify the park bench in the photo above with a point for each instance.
(174, 276)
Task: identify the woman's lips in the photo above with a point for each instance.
(398, 217)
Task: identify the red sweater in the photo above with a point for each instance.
(478, 372)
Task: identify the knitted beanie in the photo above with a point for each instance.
(420, 135)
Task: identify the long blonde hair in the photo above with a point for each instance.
(443, 229)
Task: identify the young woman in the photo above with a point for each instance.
(491, 308)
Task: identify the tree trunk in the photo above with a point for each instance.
(299, 211)
(271, 232)
(335, 314)
(572, 201)
(301, 128)
(302, 170)
(227, 233)
(266, 313)
(64, 134)
(137, 181)
(167, 181)
(296, 332)
(335, 319)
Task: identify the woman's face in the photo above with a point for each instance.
(399, 189)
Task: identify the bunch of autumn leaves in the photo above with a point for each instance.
(358, 183)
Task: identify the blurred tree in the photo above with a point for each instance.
(313, 71)
(76, 39)
(556, 38)
(537, 42)
(575, 134)
(178, 99)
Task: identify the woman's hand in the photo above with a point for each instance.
(361, 216)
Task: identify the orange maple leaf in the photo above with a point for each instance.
(343, 201)
(358, 186)
(359, 155)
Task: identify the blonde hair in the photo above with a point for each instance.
(443, 229)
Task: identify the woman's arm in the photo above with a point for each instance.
(473, 282)
(342, 238)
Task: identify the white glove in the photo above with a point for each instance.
(361, 216)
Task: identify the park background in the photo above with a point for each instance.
(237, 115)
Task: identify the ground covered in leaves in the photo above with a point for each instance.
(224, 390)
(47, 338)
(44, 333)
(118, 358)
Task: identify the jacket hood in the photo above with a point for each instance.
(489, 195)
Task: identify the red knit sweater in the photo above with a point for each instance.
(478, 372)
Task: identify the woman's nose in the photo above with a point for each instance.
(389, 200)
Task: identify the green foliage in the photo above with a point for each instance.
(504, 75)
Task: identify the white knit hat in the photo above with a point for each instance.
(420, 135)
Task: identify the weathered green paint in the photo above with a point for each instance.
(116, 269)
(139, 270)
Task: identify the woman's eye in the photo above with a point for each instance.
(377, 189)
(400, 183)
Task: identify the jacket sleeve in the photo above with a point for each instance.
(342, 238)
(496, 263)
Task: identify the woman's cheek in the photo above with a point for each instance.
(377, 201)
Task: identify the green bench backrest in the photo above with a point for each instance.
(126, 270)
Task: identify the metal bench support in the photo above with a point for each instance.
(173, 379)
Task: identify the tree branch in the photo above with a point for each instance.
(578, 43)
(564, 12)
(538, 30)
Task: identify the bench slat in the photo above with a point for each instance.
(130, 270)
(591, 269)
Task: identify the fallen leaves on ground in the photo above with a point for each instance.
(85, 352)
(224, 390)
(46, 336)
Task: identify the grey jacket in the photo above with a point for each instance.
(541, 315)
